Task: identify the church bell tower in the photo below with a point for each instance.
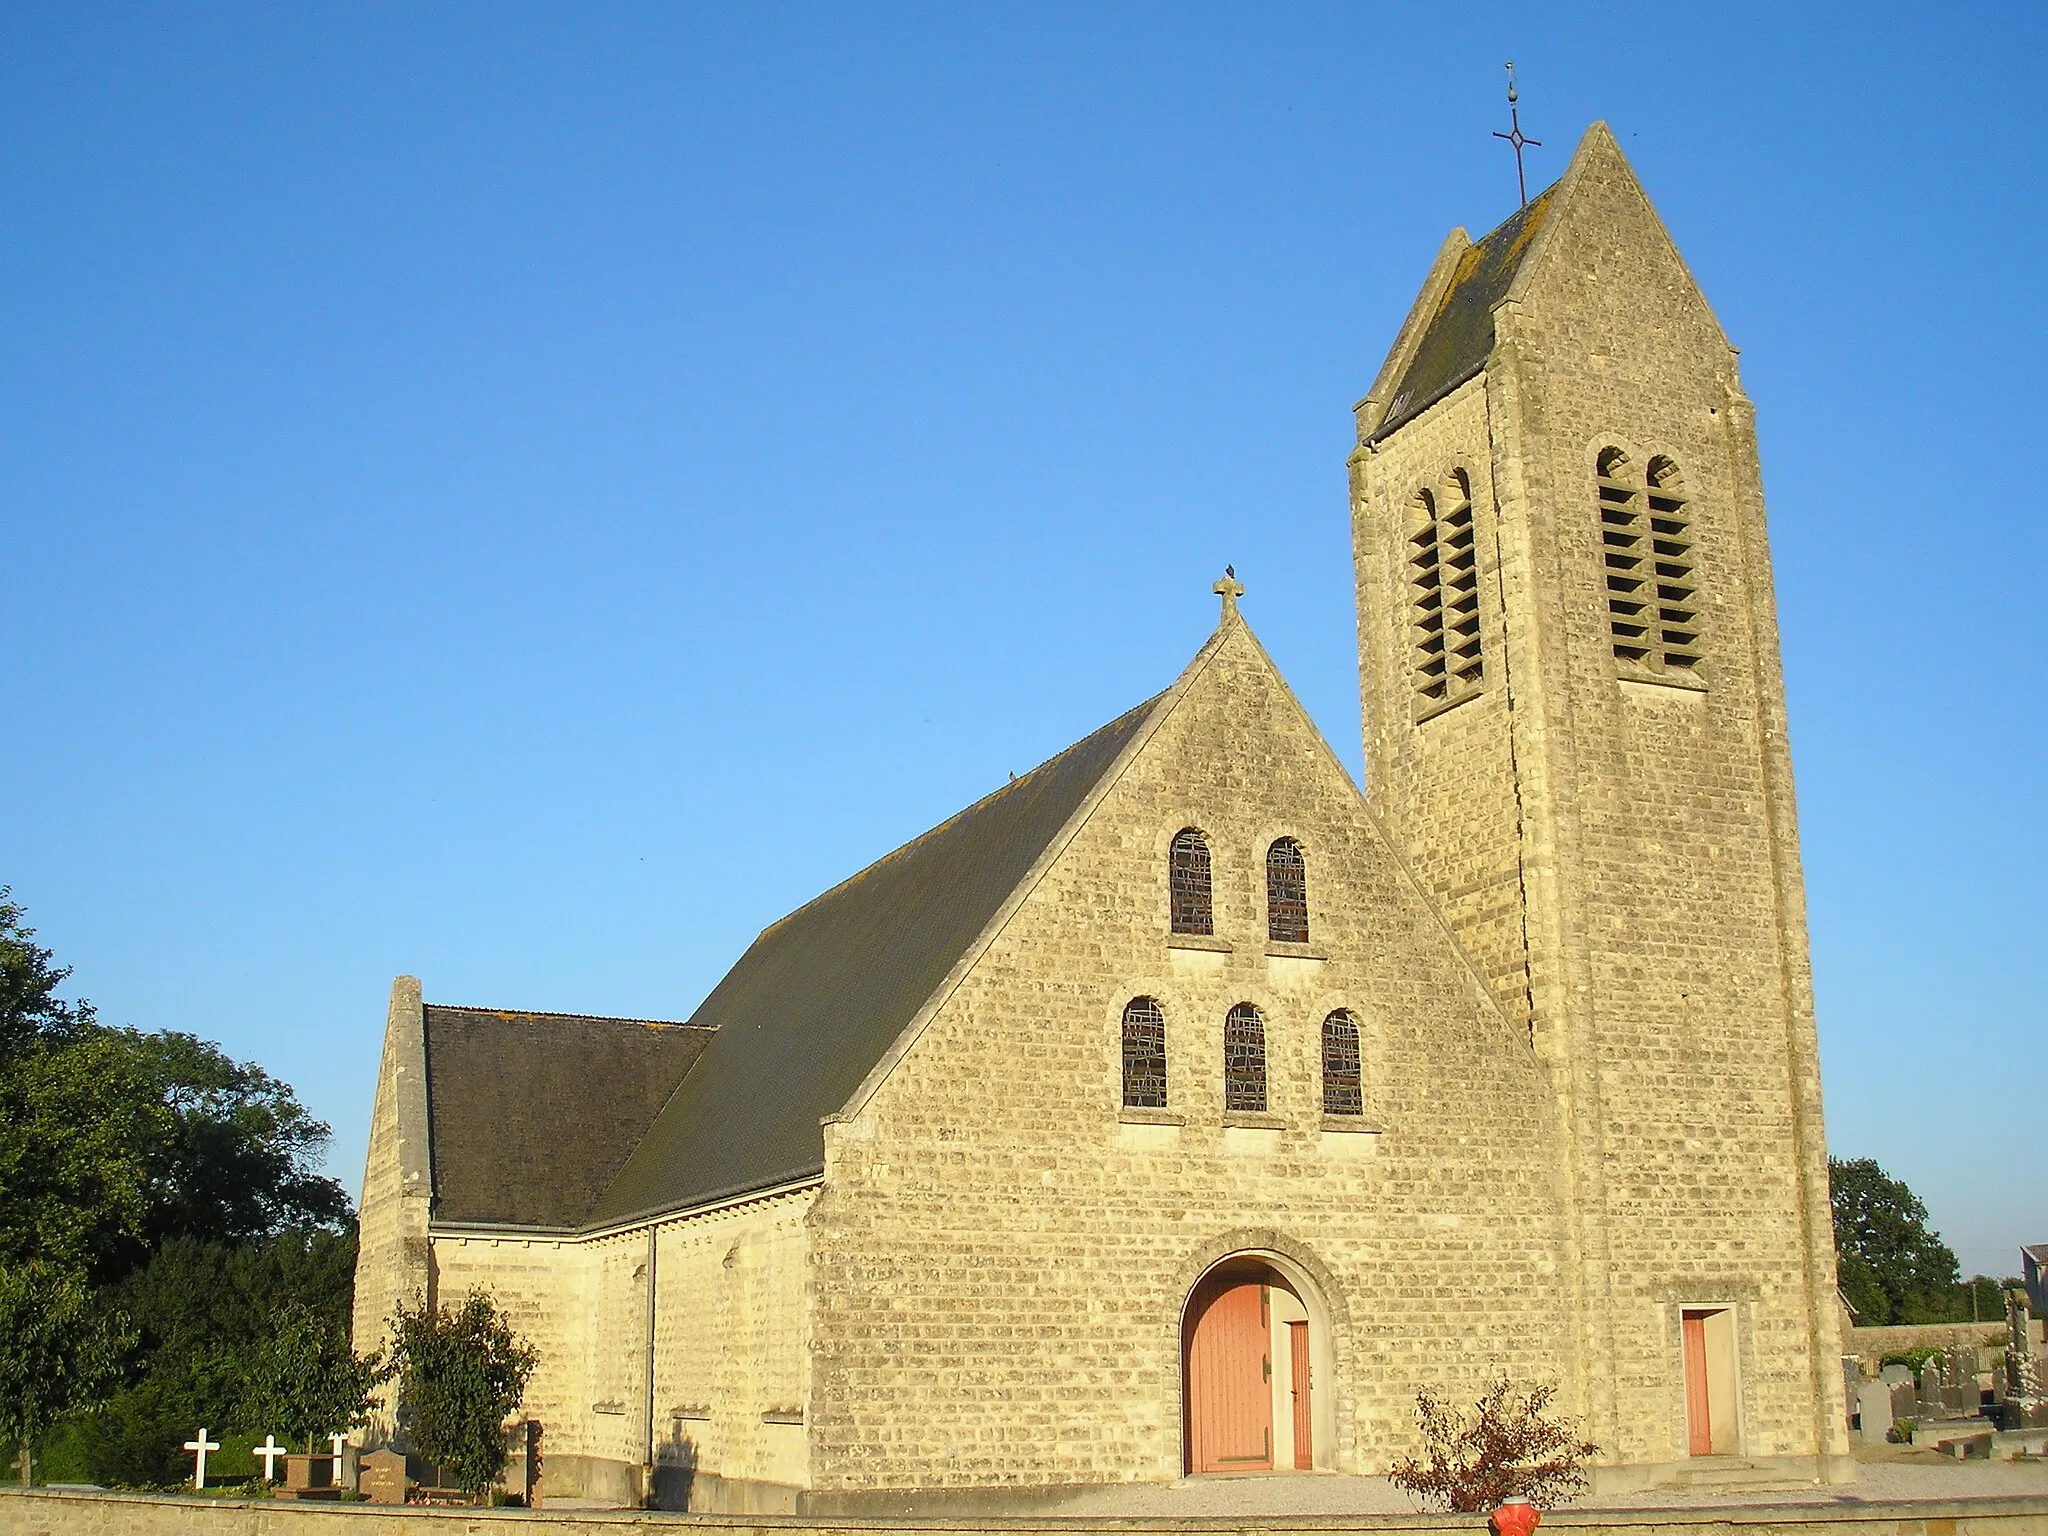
(1575, 728)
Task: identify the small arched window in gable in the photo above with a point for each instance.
(1343, 1072)
(1443, 580)
(1244, 1060)
(1144, 1054)
(1188, 883)
(1286, 893)
(1676, 633)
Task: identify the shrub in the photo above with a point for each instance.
(1506, 1447)
(1914, 1360)
(461, 1373)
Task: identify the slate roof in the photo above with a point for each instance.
(1460, 335)
(531, 1115)
(811, 1008)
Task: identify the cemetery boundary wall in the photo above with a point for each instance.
(1871, 1344)
(40, 1512)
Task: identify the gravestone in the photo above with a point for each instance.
(1896, 1375)
(1874, 1410)
(1905, 1398)
(384, 1479)
(1929, 1389)
(1961, 1397)
(310, 1477)
(2025, 1398)
(1852, 1383)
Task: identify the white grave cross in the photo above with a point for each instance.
(199, 1448)
(269, 1450)
(337, 1441)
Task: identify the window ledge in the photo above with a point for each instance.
(1356, 1125)
(1686, 682)
(1132, 1114)
(1282, 951)
(1437, 707)
(1207, 941)
(1247, 1120)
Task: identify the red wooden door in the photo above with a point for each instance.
(1699, 1420)
(1230, 1380)
(1302, 1382)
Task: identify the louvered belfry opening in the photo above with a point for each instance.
(1646, 543)
(1144, 1054)
(1343, 1071)
(1443, 574)
(1244, 1060)
(1677, 628)
(1626, 553)
(1188, 883)
(1286, 893)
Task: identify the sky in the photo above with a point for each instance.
(525, 496)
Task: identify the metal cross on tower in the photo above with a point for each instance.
(1515, 135)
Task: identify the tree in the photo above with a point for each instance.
(58, 1354)
(30, 1009)
(304, 1379)
(1889, 1265)
(1508, 1448)
(461, 1373)
(113, 1141)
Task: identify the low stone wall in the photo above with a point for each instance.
(1870, 1345)
(39, 1512)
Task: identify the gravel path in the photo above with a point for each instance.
(1880, 1479)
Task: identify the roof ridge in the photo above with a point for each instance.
(549, 1013)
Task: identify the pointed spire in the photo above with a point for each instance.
(1230, 589)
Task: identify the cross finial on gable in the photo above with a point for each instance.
(1230, 589)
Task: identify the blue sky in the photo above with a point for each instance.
(525, 496)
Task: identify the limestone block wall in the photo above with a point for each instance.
(732, 1332)
(1680, 921)
(392, 1261)
(542, 1285)
(1001, 1256)
(1445, 785)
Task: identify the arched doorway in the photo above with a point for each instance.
(1250, 1351)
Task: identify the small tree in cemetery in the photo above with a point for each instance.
(1507, 1448)
(58, 1353)
(305, 1380)
(461, 1373)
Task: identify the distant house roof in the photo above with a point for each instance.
(1460, 338)
(531, 1115)
(811, 1008)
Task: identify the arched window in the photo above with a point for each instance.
(1443, 578)
(1343, 1074)
(1244, 1060)
(1188, 883)
(1144, 1054)
(1286, 893)
(1677, 629)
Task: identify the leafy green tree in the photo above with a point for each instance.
(59, 1354)
(113, 1141)
(203, 1311)
(1890, 1266)
(175, 1184)
(30, 1009)
(305, 1380)
(461, 1373)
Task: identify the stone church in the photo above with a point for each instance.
(1179, 1110)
